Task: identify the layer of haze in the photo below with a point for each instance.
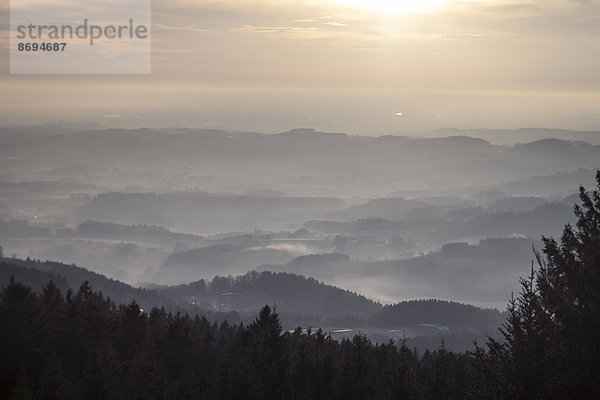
(352, 66)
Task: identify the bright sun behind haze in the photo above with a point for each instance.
(339, 65)
(393, 7)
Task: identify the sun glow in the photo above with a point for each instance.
(392, 7)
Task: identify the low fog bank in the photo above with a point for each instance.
(394, 218)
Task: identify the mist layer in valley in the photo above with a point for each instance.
(393, 218)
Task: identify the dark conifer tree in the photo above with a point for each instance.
(553, 346)
(569, 289)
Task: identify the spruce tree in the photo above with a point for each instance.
(569, 290)
(552, 340)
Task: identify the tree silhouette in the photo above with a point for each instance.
(552, 329)
(569, 289)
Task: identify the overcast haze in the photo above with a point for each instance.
(362, 67)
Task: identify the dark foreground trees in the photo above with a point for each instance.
(82, 345)
(552, 347)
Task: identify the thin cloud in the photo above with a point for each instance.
(112, 116)
(187, 28)
(273, 29)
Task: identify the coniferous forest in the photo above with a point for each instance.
(81, 345)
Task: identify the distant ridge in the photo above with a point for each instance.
(300, 300)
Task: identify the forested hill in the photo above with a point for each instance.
(443, 314)
(292, 294)
(300, 301)
(84, 346)
(36, 275)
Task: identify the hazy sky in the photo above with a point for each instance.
(360, 66)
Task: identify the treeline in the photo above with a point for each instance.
(100, 230)
(36, 275)
(371, 225)
(136, 233)
(301, 301)
(445, 313)
(84, 346)
(294, 294)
